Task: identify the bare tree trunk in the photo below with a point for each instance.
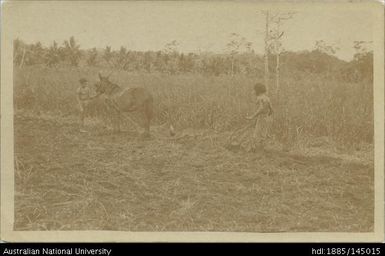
(232, 65)
(267, 50)
(277, 69)
(22, 58)
(277, 52)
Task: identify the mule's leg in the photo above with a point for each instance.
(115, 121)
(118, 117)
(148, 113)
(146, 127)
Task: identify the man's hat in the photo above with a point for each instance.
(82, 80)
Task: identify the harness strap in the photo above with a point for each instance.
(115, 106)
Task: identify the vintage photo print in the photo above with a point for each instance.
(211, 121)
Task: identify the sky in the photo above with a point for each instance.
(197, 26)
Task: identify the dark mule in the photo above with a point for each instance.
(122, 100)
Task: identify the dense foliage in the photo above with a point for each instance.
(170, 61)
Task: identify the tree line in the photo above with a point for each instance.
(239, 58)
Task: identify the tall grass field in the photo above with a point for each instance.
(305, 106)
(317, 175)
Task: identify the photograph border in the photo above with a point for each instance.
(7, 154)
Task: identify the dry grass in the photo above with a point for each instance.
(66, 180)
(307, 105)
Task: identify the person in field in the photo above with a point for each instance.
(83, 97)
(261, 117)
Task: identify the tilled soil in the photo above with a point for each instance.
(67, 180)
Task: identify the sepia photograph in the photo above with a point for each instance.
(185, 119)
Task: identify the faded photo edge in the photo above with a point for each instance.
(7, 171)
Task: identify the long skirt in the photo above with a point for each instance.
(261, 132)
(252, 137)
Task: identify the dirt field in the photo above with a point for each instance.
(66, 180)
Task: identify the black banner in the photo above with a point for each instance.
(112, 249)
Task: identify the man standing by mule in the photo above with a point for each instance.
(83, 97)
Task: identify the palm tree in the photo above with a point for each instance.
(91, 61)
(72, 51)
(53, 55)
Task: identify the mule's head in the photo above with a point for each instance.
(103, 84)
